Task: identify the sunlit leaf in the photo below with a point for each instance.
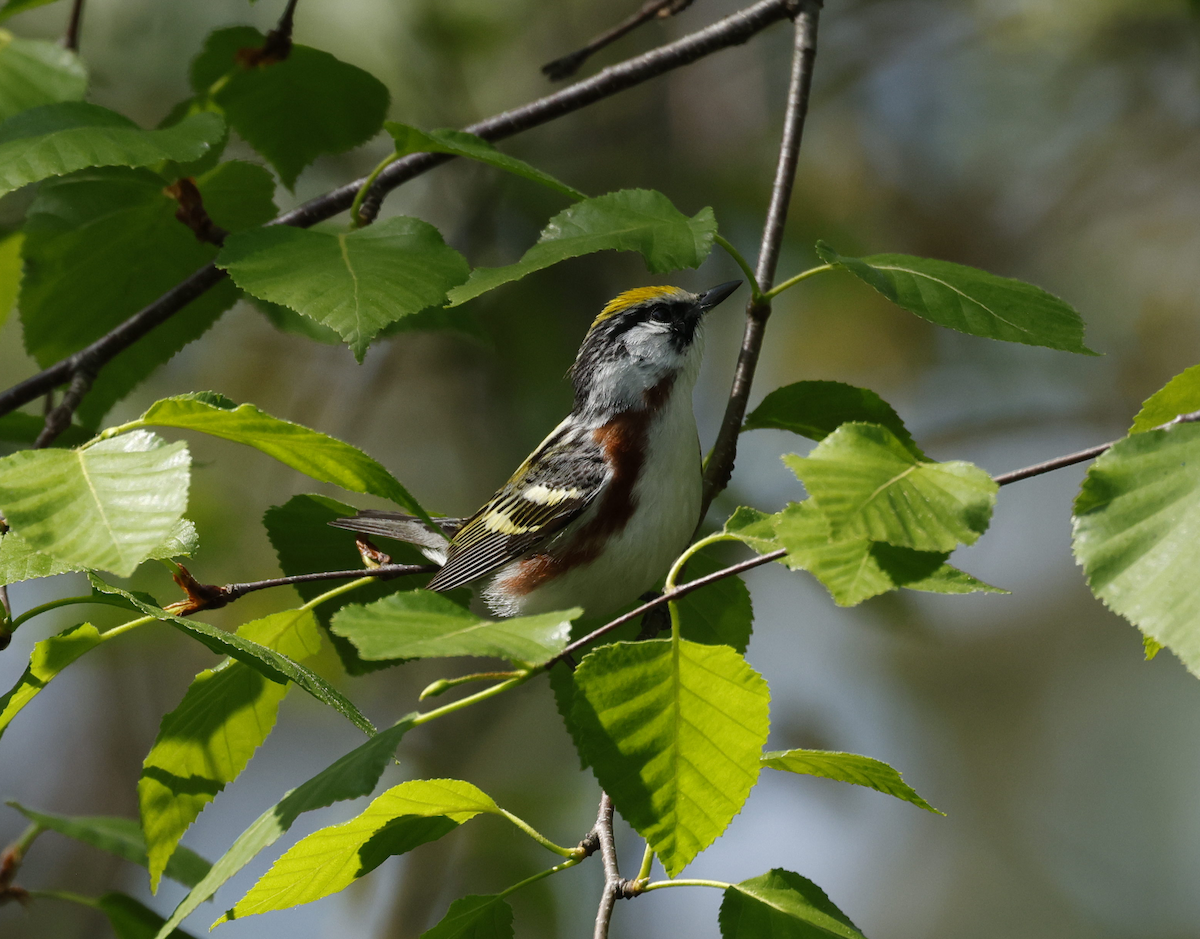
(419, 624)
(968, 299)
(355, 282)
(106, 507)
(1137, 535)
(35, 72)
(753, 528)
(782, 905)
(20, 562)
(674, 736)
(56, 139)
(204, 744)
(1181, 395)
(331, 859)
(294, 110)
(350, 777)
(103, 244)
(121, 837)
(846, 767)
(815, 409)
(311, 452)
(629, 220)
(867, 483)
(457, 143)
(49, 657)
(474, 917)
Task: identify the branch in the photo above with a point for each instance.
(681, 591)
(567, 65)
(731, 31)
(59, 419)
(719, 467)
(1080, 456)
(615, 886)
(70, 38)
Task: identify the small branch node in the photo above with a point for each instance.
(192, 213)
(199, 596)
(276, 47)
(371, 556)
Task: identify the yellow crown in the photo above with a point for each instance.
(632, 298)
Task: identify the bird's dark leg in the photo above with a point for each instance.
(654, 620)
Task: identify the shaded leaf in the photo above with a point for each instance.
(19, 427)
(867, 483)
(968, 299)
(56, 139)
(49, 657)
(315, 454)
(782, 905)
(13, 7)
(355, 282)
(628, 220)
(419, 624)
(457, 143)
(815, 409)
(350, 777)
(331, 859)
(294, 110)
(121, 837)
(35, 72)
(107, 506)
(20, 562)
(103, 244)
(205, 743)
(10, 283)
(674, 736)
(274, 665)
(1181, 395)
(131, 919)
(719, 613)
(847, 767)
(1137, 535)
(474, 917)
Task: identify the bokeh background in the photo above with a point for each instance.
(1052, 140)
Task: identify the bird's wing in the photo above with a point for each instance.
(549, 490)
(402, 527)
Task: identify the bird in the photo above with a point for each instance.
(596, 515)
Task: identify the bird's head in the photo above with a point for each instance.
(641, 338)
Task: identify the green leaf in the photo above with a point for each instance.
(20, 562)
(422, 625)
(815, 409)
(315, 454)
(673, 733)
(350, 777)
(103, 244)
(49, 657)
(853, 568)
(35, 72)
(205, 743)
(474, 917)
(105, 507)
(294, 110)
(274, 665)
(968, 299)
(1181, 395)
(19, 427)
(121, 837)
(719, 613)
(56, 139)
(782, 905)
(355, 282)
(867, 483)
(628, 220)
(131, 920)
(1137, 527)
(331, 859)
(457, 143)
(847, 767)
(753, 528)
(303, 541)
(13, 7)
(10, 283)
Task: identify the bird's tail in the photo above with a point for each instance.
(433, 541)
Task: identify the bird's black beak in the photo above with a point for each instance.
(710, 298)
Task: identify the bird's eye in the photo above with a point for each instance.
(659, 313)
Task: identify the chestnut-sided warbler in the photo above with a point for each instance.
(598, 512)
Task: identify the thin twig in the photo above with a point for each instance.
(70, 38)
(681, 591)
(614, 886)
(720, 462)
(59, 419)
(567, 65)
(1081, 456)
(731, 31)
